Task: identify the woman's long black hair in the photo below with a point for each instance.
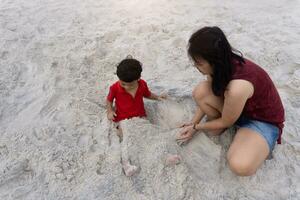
(210, 43)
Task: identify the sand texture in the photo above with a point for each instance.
(57, 61)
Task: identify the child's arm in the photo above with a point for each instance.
(110, 111)
(150, 95)
(157, 97)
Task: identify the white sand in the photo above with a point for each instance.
(57, 60)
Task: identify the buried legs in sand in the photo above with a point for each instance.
(119, 133)
(128, 168)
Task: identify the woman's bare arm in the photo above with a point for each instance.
(236, 95)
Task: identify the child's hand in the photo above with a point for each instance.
(162, 97)
(111, 115)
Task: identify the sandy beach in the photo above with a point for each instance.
(57, 61)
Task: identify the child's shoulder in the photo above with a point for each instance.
(115, 85)
(142, 81)
(143, 84)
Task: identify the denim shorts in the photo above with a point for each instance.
(269, 131)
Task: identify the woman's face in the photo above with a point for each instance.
(203, 66)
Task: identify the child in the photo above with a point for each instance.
(128, 93)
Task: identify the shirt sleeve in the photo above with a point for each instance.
(146, 92)
(112, 94)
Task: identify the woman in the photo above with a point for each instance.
(238, 92)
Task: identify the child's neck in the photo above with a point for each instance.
(132, 91)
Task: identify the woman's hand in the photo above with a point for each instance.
(185, 134)
(186, 124)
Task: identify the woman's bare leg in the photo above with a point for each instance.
(210, 104)
(247, 152)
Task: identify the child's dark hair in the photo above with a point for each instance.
(210, 43)
(129, 69)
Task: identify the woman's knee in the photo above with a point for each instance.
(241, 166)
(201, 90)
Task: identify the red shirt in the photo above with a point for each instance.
(126, 105)
(265, 103)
